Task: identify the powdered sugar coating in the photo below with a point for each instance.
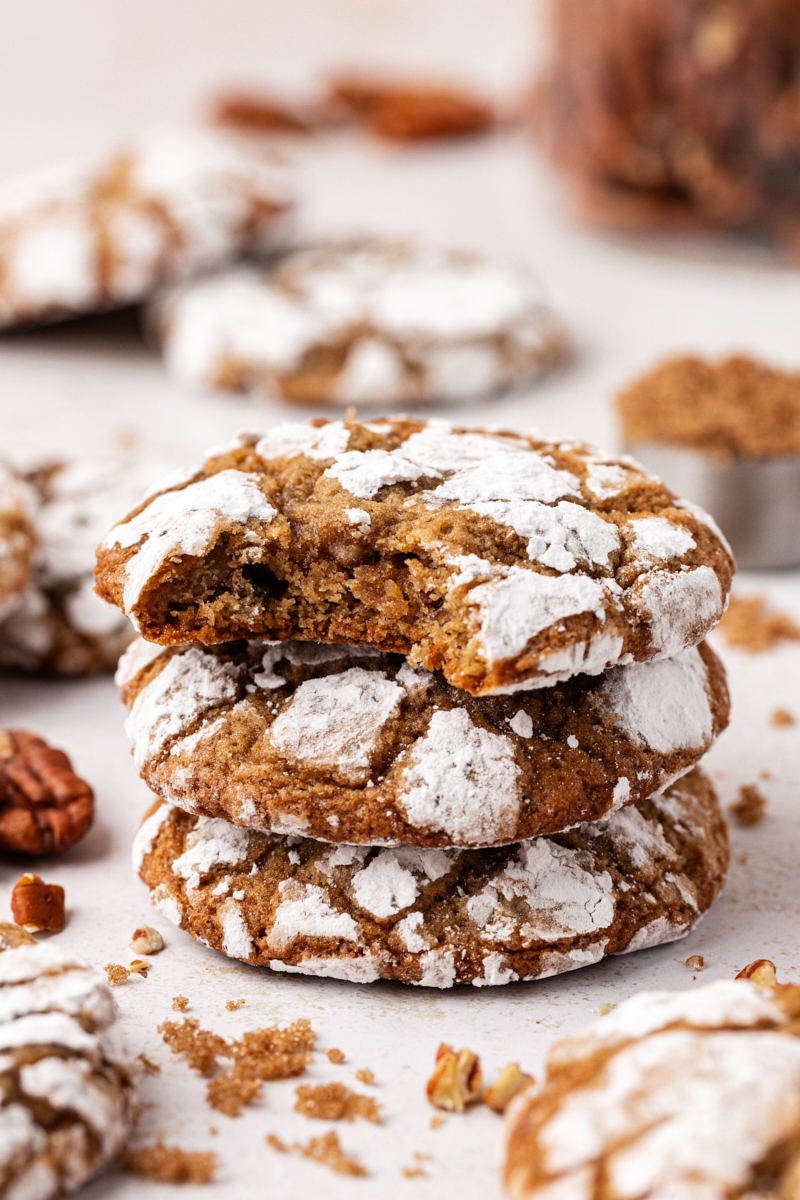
(695, 1093)
(407, 323)
(59, 1046)
(462, 779)
(86, 236)
(674, 606)
(664, 704)
(337, 718)
(436, 917)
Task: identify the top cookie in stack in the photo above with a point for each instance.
(548, 601)
(505, 562)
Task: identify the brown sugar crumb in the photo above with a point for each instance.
(180, 1003)
(749, 625)
(152, 1068)
(200, 1047)
(116, 974)
(259, 1055)
(734, 407)
(335, 1056)
(231, 1091)
(364, 1075)
(170, 1164)
(750, 807)
(335, 1102)
(437, 1121)
(233, 1005)
(782, 717)
(413, 1173)
(326, 1150)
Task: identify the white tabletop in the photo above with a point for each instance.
(79, 74)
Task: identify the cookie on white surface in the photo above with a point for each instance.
(58, 625)
(86, 236)
(363, 322)
(502, 560)
(348, 745)
(687, 1094)
(67, 1088)
(17, 537)
(440, 917)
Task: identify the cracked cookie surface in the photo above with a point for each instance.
(504, 561)
(348, 745)
(366, 322)
(82, 237)
(67, 1090)
(671, 1094)
(439, 917)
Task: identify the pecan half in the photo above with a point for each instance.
(44, 805)
(405, 112)
(456, 1081)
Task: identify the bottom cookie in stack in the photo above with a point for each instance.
(436, 917)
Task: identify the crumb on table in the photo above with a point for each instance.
(180, 1003)
(750, 806)
(750, 625)
(233, 1005)
(325, 1150)
(116, 973)
(170, 1164)
(365, 1075)
(335, 1102)
(782, 717)
(335, 1056)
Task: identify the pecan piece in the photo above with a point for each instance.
(44, 805)
(405, 112)
(36, 905)
(456, 1081)
(761, 972)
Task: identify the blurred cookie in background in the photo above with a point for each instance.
(727, 434)
(58, 625)
(87, 236)
(362, 321)
(17, 538)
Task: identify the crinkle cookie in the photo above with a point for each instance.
(58, 625)
(355, 746)
(67, 1091)
(439, 917)
(503, 561)
(17, 538)
(362, 322)
(688, 1094)
(81, 237)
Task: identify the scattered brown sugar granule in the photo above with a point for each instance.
(750, 626)
(233, 1005)
(170, 1164)
(750, 806)
(335, 1102)
(152, 1068)
(437, 1121)
(232, 1091)
(364, 1075)
(416, 1172)
(782, 717)
(734, 407)
(200, 1047)
(325, 1150)
(258, 1056)
(180, 1003)
(116, 974)
(335, 1056)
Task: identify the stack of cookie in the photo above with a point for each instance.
(414, 700)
